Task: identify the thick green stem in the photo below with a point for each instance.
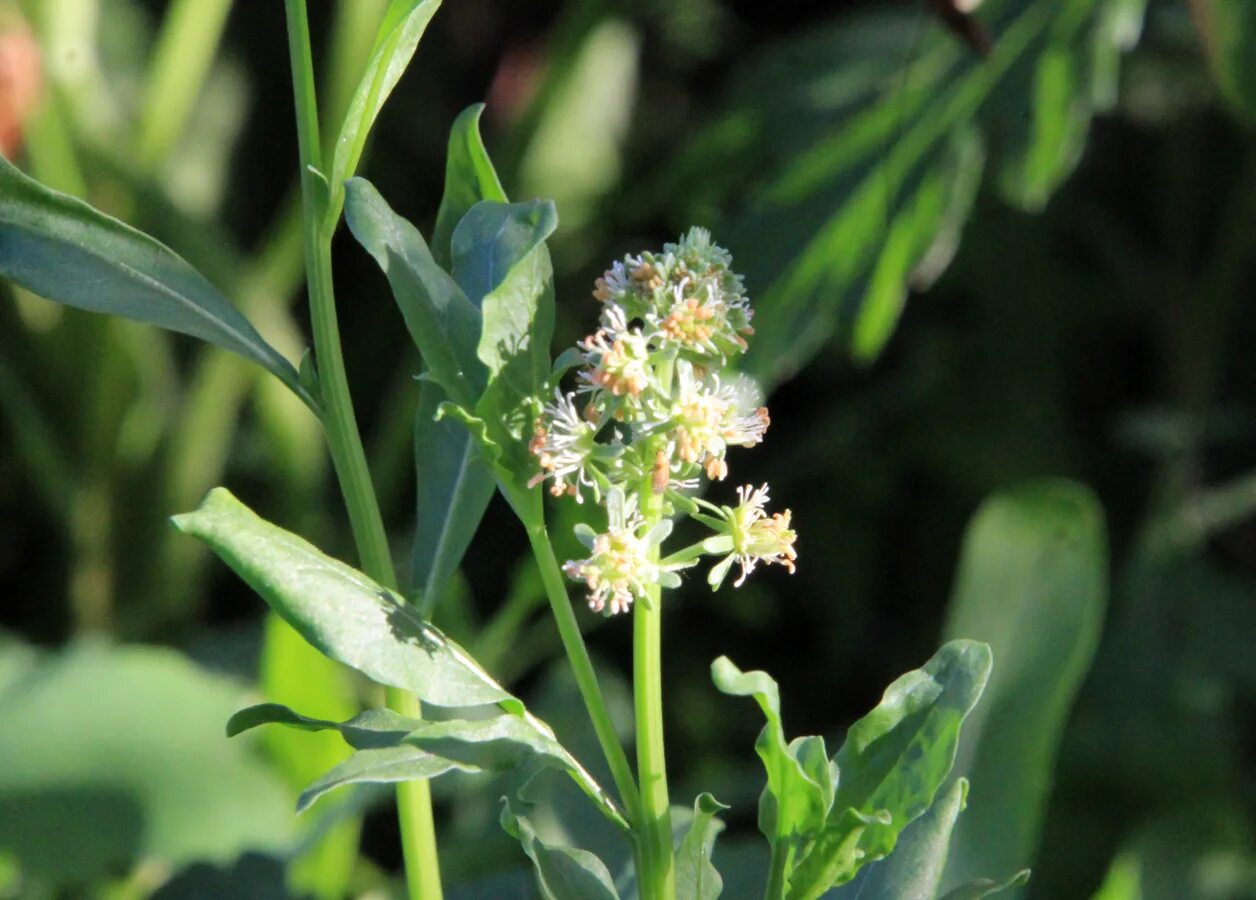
(776, 873)
(658, 882)
(581, 665)
(414, 803)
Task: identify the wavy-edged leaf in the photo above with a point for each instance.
(1032, 582)
(892, 763)
(455, 485)
(469, 178)
(65, 250)
(341, 611)
(395, 43)
(696, 875)
(443, 323)
(801, 781)
(914, 870)
(562, 873)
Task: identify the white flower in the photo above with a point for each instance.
(566, 446)
(755, 536)
(619, 568)
(709, 416)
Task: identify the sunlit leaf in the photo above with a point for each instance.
(1032, 582)
(696, 876)
(61, 248)
(397, 39)
(891, 764)
(341, 611)
(469, 178)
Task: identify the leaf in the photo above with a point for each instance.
(1124, 879)
(914, 870)
(455, 485)
(113, 755)
(341, 611)
(505, 742)
(562, 873)
(892, 763)
(395, 43)
(1226, 28)
(443, 323)
(985, 887)
(832, 142)
(469, 178)
(385, 765)
(797, 797)
(696, 877)
(1032, 582)
(64, 250)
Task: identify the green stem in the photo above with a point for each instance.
(776, 872)
(414, 805)
(581, 665)
(658, 881)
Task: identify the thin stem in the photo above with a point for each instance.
(581, 665)
(776, 872)
(414, 805)
(658, 881)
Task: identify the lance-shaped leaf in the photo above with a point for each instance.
(469, 178)
(385, 765)
(506, 742)
(397, 39)
(443, 323)
(562, 873)
(986, 887)
(64, 250)
(455, 485)
(801, 780)
(1032, 582)
(341, 611)
(892, 763)
(696, 876)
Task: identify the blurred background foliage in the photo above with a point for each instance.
(985, 259)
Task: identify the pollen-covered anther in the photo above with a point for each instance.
(758, 537)
(647, 276)
(716, 469)
(661, 474)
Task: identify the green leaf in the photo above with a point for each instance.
(1032, 582)
(395, 43)
(341, 611)
(1124, 879)
(1226, 28)
(506, 742)
(469, 178)
(64, 250)
(696, 877)
(914, 870)
(985, 887)
(892, 763)
(443, 323)
(455, 485)
(113, 755)
(562, 873)
(385, 765)
(800, 787)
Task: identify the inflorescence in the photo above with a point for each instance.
(656, 409)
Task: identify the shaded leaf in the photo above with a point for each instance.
(562, 873)
(64, 250)
(384, 765)
(1032, 582)
(892, 763)
(985, 887)
(341, 611)
(1226, 29)
(395, 43)
(696, 876)
(469, 178)
(443, 323)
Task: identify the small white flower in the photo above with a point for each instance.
(756, 537)
(565, 445)
(619, 569)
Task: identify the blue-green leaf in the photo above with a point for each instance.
(469, 178)
(63, 249)
(892, 763)
(443, 323)
(562, 873)
(341, 611)
(455, 485)
(1032, 582)
(985, 887)
(395, 43)
(696, 876)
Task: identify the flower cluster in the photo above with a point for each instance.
(656, 409)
